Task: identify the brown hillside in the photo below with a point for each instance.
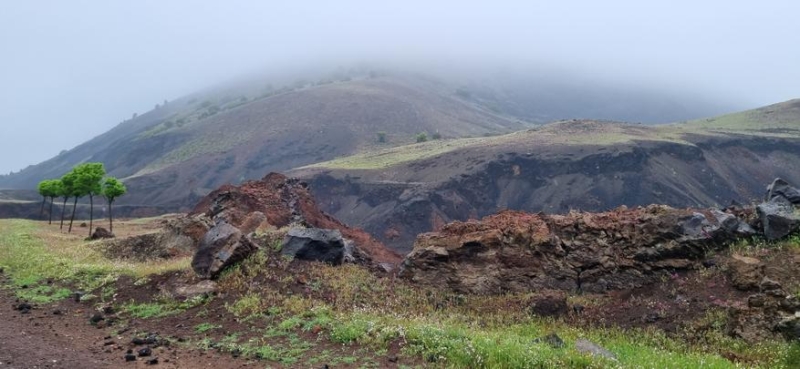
(585, 165)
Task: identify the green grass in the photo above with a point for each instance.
(30, 255)
(205, 327)
(43, 294)
(163, 307)
(396, 155)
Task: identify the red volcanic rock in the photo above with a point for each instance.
(593, 252)
(283, 201)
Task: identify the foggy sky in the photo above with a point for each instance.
(70, 70)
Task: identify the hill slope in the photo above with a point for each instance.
(581, 164)
(174, 154)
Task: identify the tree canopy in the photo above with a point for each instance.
(113, 188)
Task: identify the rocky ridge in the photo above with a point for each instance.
(594, 252)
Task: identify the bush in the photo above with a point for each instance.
(382, 137)
(422, 137)
(436, 136)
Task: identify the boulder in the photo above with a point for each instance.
(202, 288)
(588, 347)
(193, 227)
(314, 244)
(549, 304)
(100, 233)
(222, 246)
(778, 217)
(780, 188)
(552, 340)
(746, 273)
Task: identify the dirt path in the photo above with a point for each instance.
(59, 336)
(41, 339)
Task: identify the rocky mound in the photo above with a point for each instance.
(593, 252)
(271, 203)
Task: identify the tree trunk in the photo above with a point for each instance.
(91, 213)
(50, 220)
(63, 206)
(41, 212)
(110, 218)
(71, 219)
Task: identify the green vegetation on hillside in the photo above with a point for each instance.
(782, 119)
(396, 155)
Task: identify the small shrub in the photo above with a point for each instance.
(436, 135)
(421, 137)
(382, 137)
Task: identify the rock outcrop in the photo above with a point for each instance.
(271, 203)
(769, 312)
(314, 244)
(780, 215)
(593, 252)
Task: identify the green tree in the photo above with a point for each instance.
(422, 137)
(112, 188)
(42, 189)
(67, 190)
(88, 181)
(49, 188)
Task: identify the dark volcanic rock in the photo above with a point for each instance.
(781, 188)
(101, 232)
(552, 340)
(221, 247)
(550, 304)
(316, 244)
(778, 217)
(790, 328)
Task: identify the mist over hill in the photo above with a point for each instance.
(272, 122)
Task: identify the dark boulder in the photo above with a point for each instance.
(552, 340)
(781, 188)
(100, 233)
(778, 217)
(790, 328)
(549, 304)
(326, 245)
(222, 246)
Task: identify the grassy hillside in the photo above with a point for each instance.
(779, 120)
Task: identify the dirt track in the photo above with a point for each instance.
(42, 339)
